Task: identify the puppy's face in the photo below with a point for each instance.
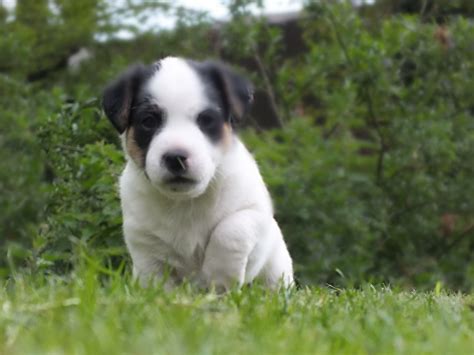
(176, 119)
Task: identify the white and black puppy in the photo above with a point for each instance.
(193, 200)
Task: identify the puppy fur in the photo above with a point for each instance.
(194, 204)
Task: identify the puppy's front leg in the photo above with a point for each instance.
(148, 268)
(230, 244)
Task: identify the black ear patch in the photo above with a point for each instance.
(119, 95)
(234, 92)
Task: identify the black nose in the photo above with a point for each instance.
(176, 161)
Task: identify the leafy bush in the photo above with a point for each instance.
(83, 206)
(380, 187)
(327, 205)
(371, 172)
(22, 188)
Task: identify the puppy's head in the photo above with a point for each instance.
(177, 118)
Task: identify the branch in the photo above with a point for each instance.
(332, 130)
(268, 85)
(378, 129)
(339, 40)
(370, 106)
(443, 252)
(423, 8)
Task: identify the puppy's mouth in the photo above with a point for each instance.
(181, 187)
(180, 181)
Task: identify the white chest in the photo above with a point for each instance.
(176, 233)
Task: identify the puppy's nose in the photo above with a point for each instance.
(176, 161)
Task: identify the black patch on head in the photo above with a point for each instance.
(120, 96)
(231, 92)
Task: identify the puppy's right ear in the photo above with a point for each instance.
(118, 96)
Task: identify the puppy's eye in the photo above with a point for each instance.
(208, 119)
(210, 122)
(151, 121)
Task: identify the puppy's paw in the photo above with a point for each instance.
(222, 278)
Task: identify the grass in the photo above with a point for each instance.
(89, 313)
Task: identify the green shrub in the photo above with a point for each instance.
(22, 187)
(83, 206)
(326, 203)
(380, 188)
(371, 173)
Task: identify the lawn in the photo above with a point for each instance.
(94, 313)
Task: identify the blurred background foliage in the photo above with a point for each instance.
(363, 128)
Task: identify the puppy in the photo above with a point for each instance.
(194, 204)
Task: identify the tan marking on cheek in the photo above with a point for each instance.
(133, 150)
(226, 135)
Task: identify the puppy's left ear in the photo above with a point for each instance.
(118, 96)
(236, 91)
